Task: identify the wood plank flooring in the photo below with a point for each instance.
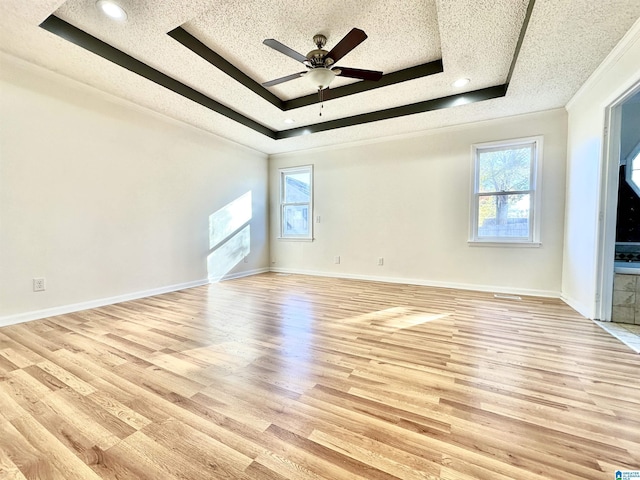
(296, 377)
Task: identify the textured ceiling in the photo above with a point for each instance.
(564, 41)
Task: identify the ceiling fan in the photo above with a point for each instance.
(320, 63)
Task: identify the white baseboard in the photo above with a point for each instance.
(248, 273)
(76, 307)
(427, 283)
(61, 310)
(578, 307)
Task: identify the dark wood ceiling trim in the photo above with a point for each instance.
(73, 34)
(523, 32)
(411, 73)
(79, 37)
(420, 107)
(192, 43)
(196, 46)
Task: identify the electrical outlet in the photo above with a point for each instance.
(380, 261)
(318, 219)
(246, 259)
(336, 259)
(39, 285)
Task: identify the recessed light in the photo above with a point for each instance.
(289, 121)
(461, 100)
(461, 82)
(112, 10)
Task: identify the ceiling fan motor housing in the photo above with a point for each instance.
(318, 57)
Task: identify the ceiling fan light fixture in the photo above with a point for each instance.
(112, 10)
(461, 82)
(320, 77)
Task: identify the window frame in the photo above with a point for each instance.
(283, 172)
(534, 191)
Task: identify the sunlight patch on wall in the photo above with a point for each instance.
(229, 218)
(226, 256)
(229, 236)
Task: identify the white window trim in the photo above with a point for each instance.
(536, 200)
(287, 171)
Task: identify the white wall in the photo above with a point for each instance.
(407, 200)
(618, 73)
(107, 200)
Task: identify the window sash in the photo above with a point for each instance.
(531, 146)
(504, 226)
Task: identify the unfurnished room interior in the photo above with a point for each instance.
(320, 240)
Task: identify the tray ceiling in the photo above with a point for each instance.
(520, 56)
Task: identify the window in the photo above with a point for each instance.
(505, 192)
(633, 169)
(296, 202)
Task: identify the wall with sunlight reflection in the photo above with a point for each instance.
(229, 237)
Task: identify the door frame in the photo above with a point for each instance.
(609, 203)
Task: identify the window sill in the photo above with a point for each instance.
(480, 243)
(290, 239)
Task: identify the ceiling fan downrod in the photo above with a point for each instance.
(321, 97)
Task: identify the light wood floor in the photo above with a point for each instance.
(294, 377)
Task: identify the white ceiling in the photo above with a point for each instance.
(564, 42)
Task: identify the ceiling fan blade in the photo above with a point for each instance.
(277, 81)
(358, 73)
(350, 41)
(282, 48)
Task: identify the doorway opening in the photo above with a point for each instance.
(619, 223)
